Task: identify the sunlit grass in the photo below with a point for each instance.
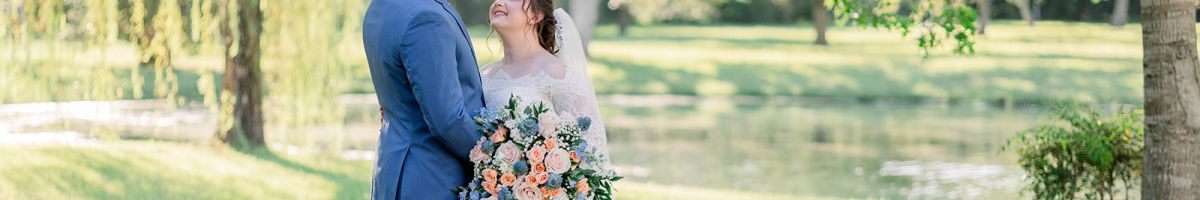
(648, 191)
(151, 170)
(164, 170)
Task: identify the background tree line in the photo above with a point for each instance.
(264, 54)
(801, 11)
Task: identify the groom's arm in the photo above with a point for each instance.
(428, 53)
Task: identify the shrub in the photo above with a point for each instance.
(1088, 159)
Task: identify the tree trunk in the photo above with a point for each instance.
(820, 18)
(1035, 11)
(623, 19)
(1120, 12)
(985, 15)
(585, 13)
(1026, 9)
(242, 77)
(1172, 92)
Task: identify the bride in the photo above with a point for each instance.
(543, 62)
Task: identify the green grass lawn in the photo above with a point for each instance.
(165, 170)
(1051, 61)
(154, 170)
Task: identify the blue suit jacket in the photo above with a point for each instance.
(427, 81)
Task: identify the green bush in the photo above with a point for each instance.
(1092, 158)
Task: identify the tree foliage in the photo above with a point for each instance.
(934, 21)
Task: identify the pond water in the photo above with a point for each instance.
(823, 149)
(780, 146)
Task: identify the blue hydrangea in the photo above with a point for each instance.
(584, 122)
(521, 167)
(582, 155)
(554, 182)
(503, 194)
(487, 144)
(462, 195)
(487, 119)
(581, 197)
(473, 185)
(529, 126)
(483, 113)
(475, 195)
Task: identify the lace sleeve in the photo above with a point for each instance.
(575, 95)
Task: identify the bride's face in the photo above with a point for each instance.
(510, 14)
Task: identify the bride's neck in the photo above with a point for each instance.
(519, 46)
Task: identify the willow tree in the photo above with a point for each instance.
(40, 41)
(242, 90)
(158, 27)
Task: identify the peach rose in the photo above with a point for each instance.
(508, 179)
(502, 130)
(490, 175)
(537, 168)
(548, 122)
(558, 161)
(526, 191)
(536, 154)
(498, 136)
(561, 195)
(477, 155)
(530, 179)
(542, 177)
(537, 178)
(490, 187)
(547, 193)
(550, 144)
(582, 186)
(509, 153)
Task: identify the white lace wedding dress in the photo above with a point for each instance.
(570, 94)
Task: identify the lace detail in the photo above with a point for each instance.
(571, 95)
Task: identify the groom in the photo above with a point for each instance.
(427, 81)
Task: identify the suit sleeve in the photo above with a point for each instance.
(428, 54)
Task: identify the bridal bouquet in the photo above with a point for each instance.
(531, 153)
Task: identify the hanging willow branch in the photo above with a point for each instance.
(935, 21)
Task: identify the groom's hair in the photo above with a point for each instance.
(547, 26)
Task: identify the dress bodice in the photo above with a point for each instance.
(569, 95)
(498, 87)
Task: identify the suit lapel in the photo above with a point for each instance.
(470, 46)
(461, 28)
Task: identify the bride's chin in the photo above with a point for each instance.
(496, 25)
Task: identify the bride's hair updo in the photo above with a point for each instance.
(547, 27)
